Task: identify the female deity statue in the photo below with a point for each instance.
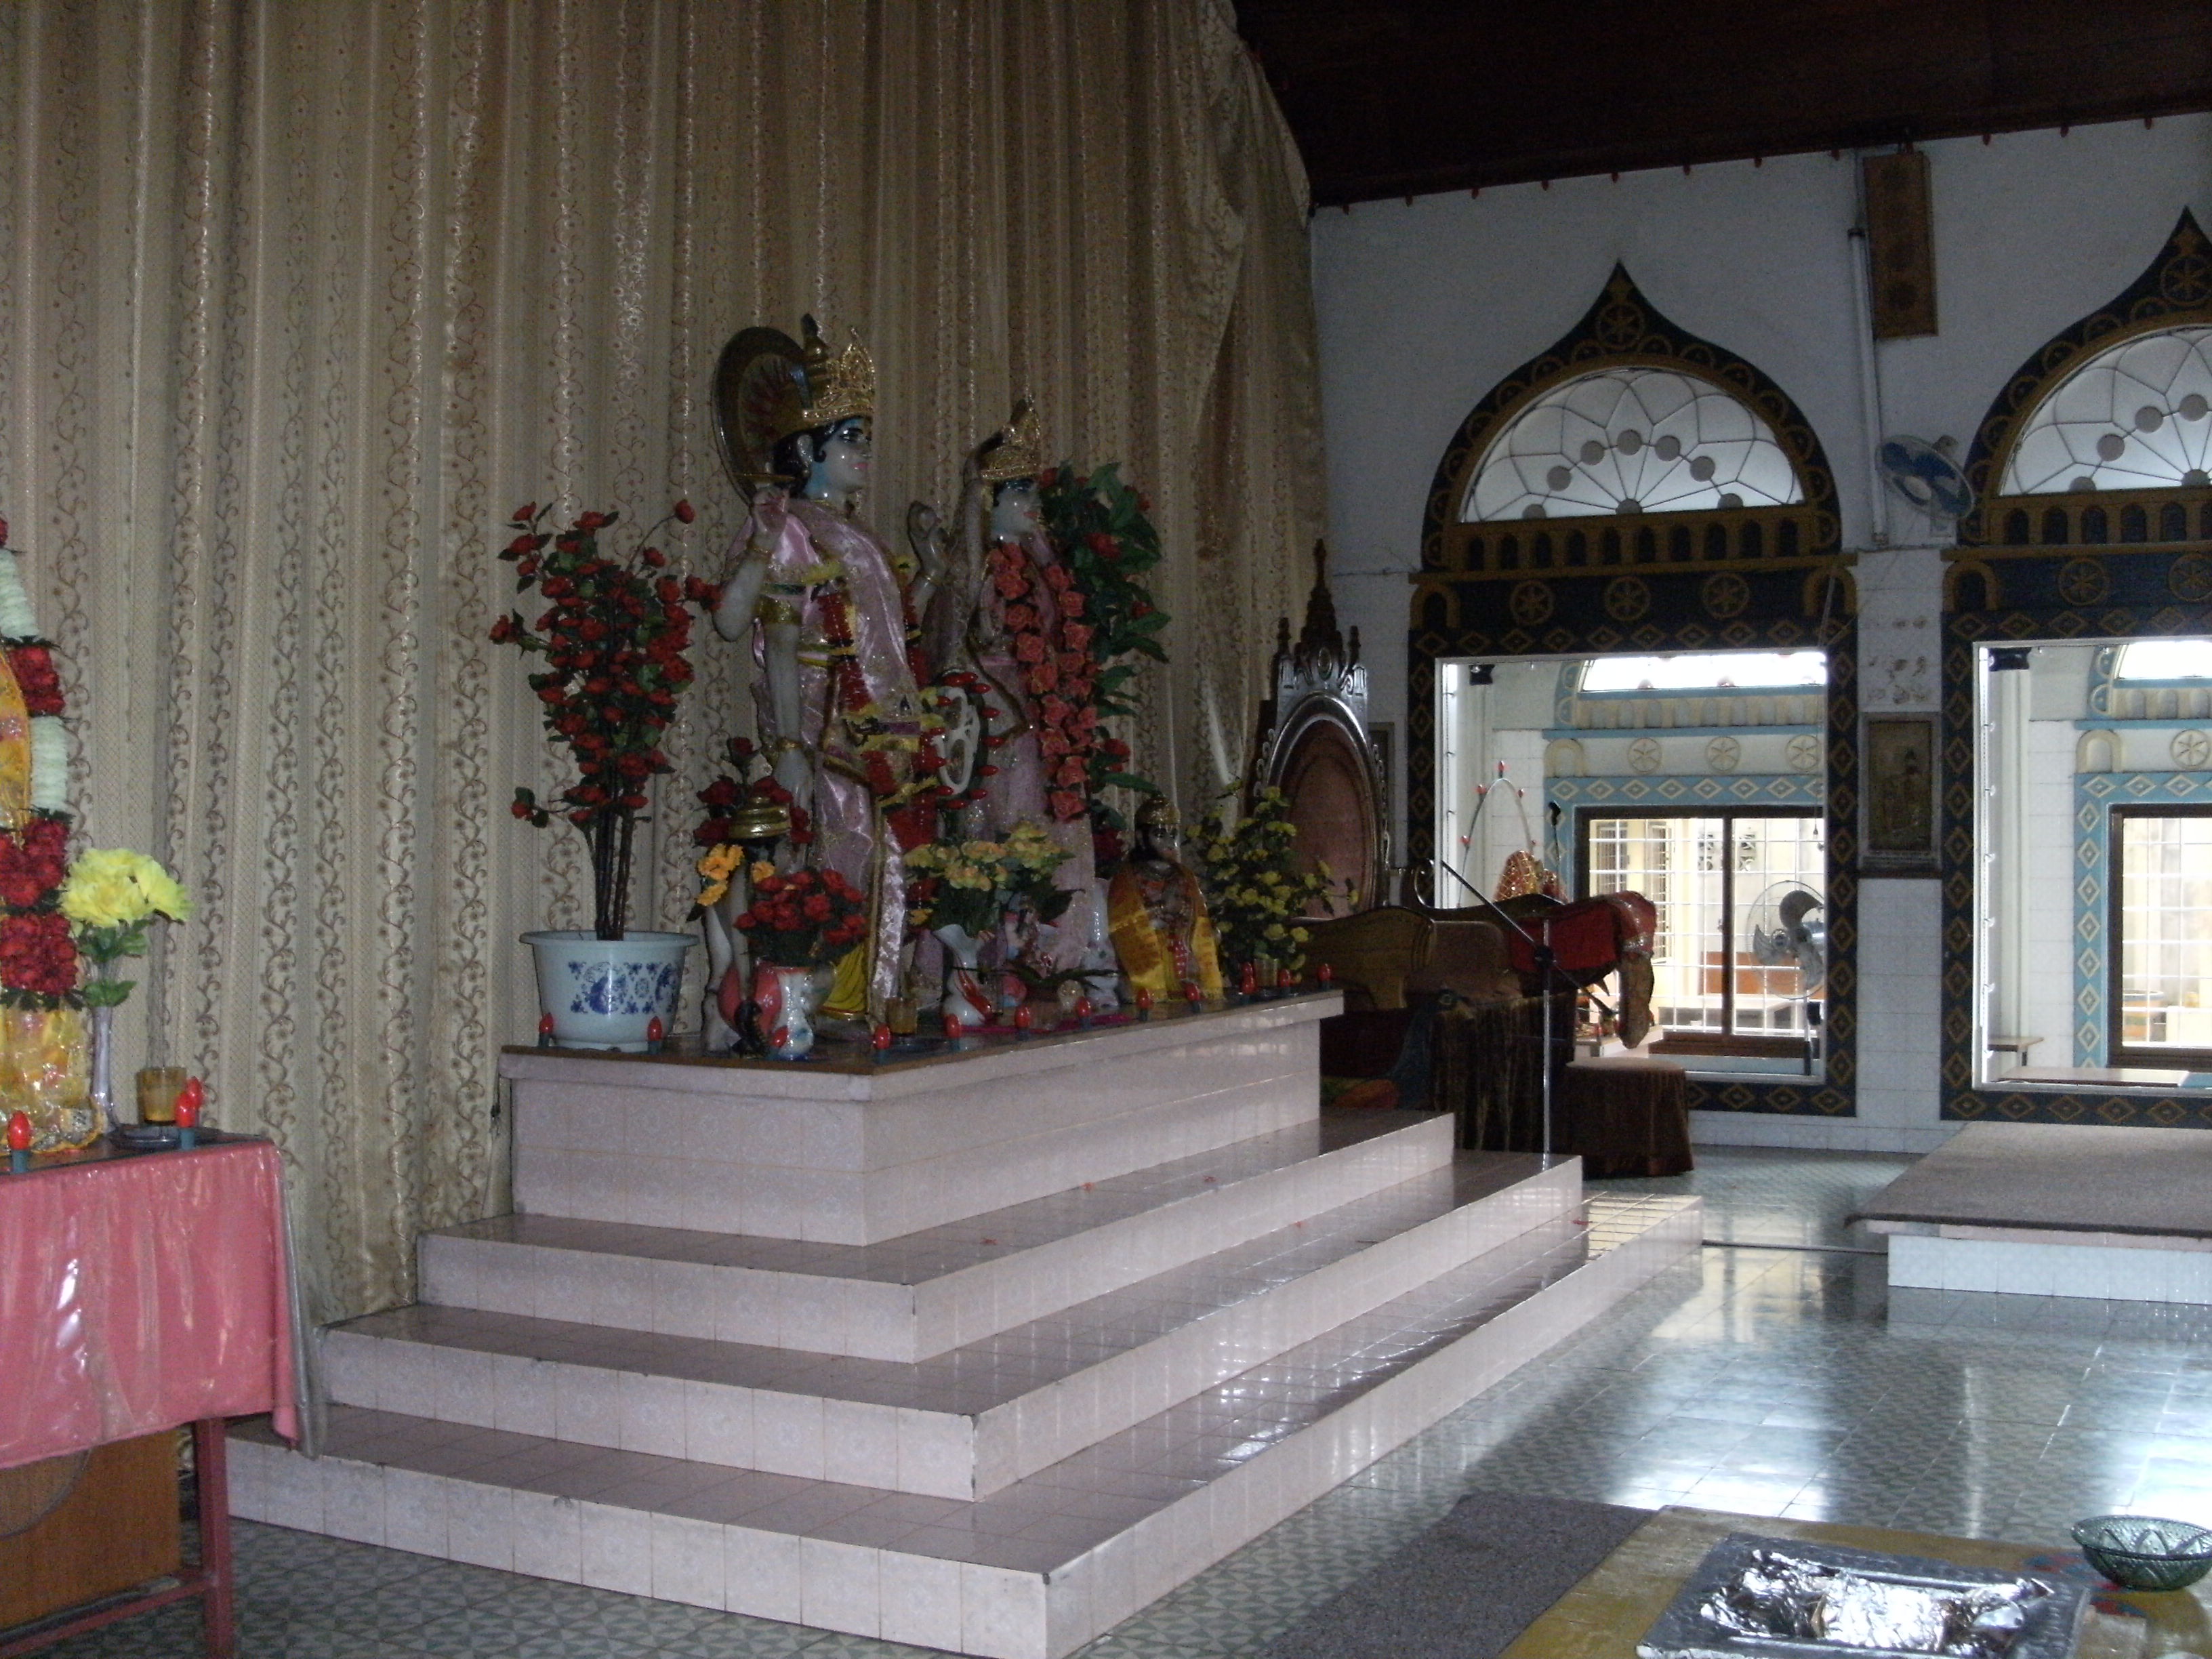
(1008, 610)
(1162, 932)
(831, 614)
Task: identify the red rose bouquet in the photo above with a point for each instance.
(613, 635)
(804, 919)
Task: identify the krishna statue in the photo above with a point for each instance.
(832, 617)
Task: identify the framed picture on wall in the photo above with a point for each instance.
(1897, 797)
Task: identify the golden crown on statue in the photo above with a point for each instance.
(839, 386)
(1017, 452)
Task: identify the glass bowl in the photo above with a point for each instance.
(2142, 1552)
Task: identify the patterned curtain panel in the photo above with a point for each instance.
(298, 301)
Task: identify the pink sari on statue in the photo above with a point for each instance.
(843, 568)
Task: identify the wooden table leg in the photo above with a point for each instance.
(218, 1627)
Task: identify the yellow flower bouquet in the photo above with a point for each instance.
(1258, 890)
(973, 884)
(111, 897)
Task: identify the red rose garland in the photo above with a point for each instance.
(1052, 647)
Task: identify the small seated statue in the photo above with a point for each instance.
(1161, 930)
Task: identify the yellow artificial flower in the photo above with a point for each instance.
(717, 866)
(115, 887)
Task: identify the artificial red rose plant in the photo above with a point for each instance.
(613, 634)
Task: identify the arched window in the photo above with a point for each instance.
(2135, 417)
(1631, 440)
(1629, 443)
(2104, 437)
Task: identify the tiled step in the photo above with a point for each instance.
(1031, 1572)
(907, 1298)
(967, 1422)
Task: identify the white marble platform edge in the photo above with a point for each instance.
(2130, 1272)
(1040, 1147)
(877, 1320)
(1070, 1052)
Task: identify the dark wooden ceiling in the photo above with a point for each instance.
(1399, 97)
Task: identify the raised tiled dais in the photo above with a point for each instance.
(981, 1354)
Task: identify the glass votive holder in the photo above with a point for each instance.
(158, 1088)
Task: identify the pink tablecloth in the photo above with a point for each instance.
(138, 1293)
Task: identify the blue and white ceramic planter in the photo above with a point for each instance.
(604, 993)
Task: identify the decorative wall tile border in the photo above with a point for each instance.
(1662, 611)
(2140, 602)
(2095, 794)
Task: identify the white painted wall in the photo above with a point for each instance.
(1424, 306)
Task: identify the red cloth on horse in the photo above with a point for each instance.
(1591, 935)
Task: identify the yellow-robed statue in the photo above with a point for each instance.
(1162, 932)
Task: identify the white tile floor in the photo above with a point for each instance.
(1777, 1381)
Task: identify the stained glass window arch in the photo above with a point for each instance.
(2138, 416)
(1631, 439)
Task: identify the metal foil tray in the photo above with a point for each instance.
(1776, 1598)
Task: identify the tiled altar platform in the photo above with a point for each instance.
(999, 1435)
(2046, 1209)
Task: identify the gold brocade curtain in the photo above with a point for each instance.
(298, 298)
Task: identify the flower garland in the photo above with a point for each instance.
(1052, 645)
(38, 956)
(1100, 527)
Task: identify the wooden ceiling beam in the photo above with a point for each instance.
(1402, 97)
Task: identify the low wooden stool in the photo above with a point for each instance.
(1626, 1114)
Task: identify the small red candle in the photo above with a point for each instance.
(190, 1099)
(1144, 1002)
(1324, 974)
(1248, 980)
(1083, 1008)
(1190, 992)
(880, 1038)
(655, 1035)
(19, 1132)
(545, 1030)
(1284, 979)
(1023, 1019)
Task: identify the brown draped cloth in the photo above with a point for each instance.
(1487, 1066)
(1626, 1114)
